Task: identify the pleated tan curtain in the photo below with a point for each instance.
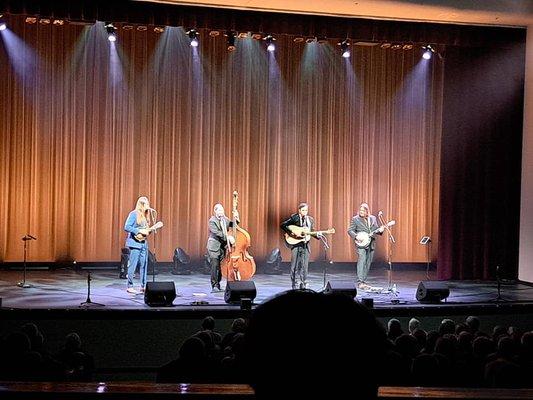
(86, 127)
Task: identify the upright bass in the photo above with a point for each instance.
(238, 264)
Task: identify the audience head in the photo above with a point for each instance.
(208, 323)
(285, 332)
(414, 324)
(394, 329)
(192, 349)
(472, 322)
(447, 326)
(238, 325)
(72, 342)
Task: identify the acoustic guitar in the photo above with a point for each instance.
(301, 234)
(140, 237)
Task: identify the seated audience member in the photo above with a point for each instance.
(394, 329)
(297, 346)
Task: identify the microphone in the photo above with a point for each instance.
(32, 237)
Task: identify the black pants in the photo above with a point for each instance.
(299, 267)
(216, 273)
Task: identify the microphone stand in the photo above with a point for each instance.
(499, 297)
(153, 215)
(392, 287)
(25, 239)
(326, 260)
(88, 302)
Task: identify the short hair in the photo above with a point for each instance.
(365, 206)
(302, 205)
(216, 206)
(311, 317)
(414, 324)
(208, 323)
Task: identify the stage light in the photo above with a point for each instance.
(269, 40)
(111, 32)
(428, 52)
(273, 263)
(193, 35)
(243, 35)
(59, 22)
(44, 21)
(230, 35)
(214, 33)
(181, 262)
(142, 28)
(310, 39)
(257, 36)
(345, 48)
(298, 39)
(31, 20)
(127, 27)
(3, 25)
(385, 45)
(396, 46)
(159, 29)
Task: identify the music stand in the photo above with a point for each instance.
(25, 239)
(426, 241)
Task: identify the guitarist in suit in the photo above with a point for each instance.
(217, 243)
(300, 252)
(138, 222)
(364, 222)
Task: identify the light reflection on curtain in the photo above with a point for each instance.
(86, 128)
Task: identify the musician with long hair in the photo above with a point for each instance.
(364, 225)
(138, 227)
(300, 251)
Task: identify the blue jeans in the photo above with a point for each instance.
(138, 256)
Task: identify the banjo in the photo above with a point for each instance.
(363, 239)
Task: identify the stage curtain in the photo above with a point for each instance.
(480, 163)
(87, 126)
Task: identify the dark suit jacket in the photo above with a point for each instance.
(216, 242)
(295, 220)
(359, 224)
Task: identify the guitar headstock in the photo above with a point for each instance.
(391, 223)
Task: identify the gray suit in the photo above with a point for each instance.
(364, 255)
(216, 247)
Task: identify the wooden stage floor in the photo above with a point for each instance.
(66, 289)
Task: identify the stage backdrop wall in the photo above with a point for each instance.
(88, 126)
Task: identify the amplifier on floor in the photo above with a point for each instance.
(432, 291)
(346, 288)
(239, 291)
(159, 294)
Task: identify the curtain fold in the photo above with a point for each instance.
(87, 127)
